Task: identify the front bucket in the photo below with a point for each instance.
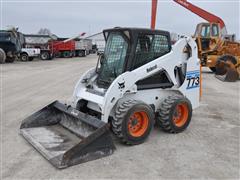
(226, 71)
(230, 76)
(65, 136)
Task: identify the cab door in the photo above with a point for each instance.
(205, 34)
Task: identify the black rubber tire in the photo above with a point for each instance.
(10, 59)
(30, 58)
(213, 69)
(167, 109)
(66, 54)
(81, 54)
(24, 57)
(45, 56)
(73, 54)
(2, 56)
(120, 121)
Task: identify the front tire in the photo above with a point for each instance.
(175, 114)
(2, 56)
(24, 57)
(10, 59)
(133, 122)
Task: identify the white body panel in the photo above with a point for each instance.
(84, 44)
(105, 100)
(32, 52)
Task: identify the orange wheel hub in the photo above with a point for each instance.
(180, 115)
(138, 123)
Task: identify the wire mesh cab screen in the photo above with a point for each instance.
(114, 56)
(150, 47)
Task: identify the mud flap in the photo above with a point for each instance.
(65, 136)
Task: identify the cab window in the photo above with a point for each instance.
(205, 32)
(150, 47)
(215, 31)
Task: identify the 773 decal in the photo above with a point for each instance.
(193, 79)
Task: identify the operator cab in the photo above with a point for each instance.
(207, 30)
(207, 35)
(129, 48)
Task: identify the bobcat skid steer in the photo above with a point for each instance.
(139, 79)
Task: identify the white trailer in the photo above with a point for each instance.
(83, 47)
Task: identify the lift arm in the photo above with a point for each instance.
(202, 13)
(196, 10)
(154, 12)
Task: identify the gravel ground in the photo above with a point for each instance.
(209, 148)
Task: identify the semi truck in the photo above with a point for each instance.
(11, 42)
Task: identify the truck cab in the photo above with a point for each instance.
(28, 54)
(11, 42)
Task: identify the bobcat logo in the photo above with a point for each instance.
(121, 85)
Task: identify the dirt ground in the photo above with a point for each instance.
(209, 148)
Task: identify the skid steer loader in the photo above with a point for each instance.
(139, 79)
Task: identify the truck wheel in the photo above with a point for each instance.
(66, 54)
(133, 121)
(175, 114)
(81, 54)
(44, 56)
(30, 58)
(10, 59)
(24, 57)
(73, 54)
(2, 56)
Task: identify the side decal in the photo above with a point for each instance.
(193, 78)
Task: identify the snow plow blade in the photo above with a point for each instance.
(66, 136)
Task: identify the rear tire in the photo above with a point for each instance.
(175, 114)
(66, 54)
(10, 59)
(133, 122)
(81, 54)
(2, 56)
(30, 58)
(73, 54)
(45, 56)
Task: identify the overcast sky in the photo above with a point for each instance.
(68, 18)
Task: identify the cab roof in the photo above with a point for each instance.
(137, 30)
